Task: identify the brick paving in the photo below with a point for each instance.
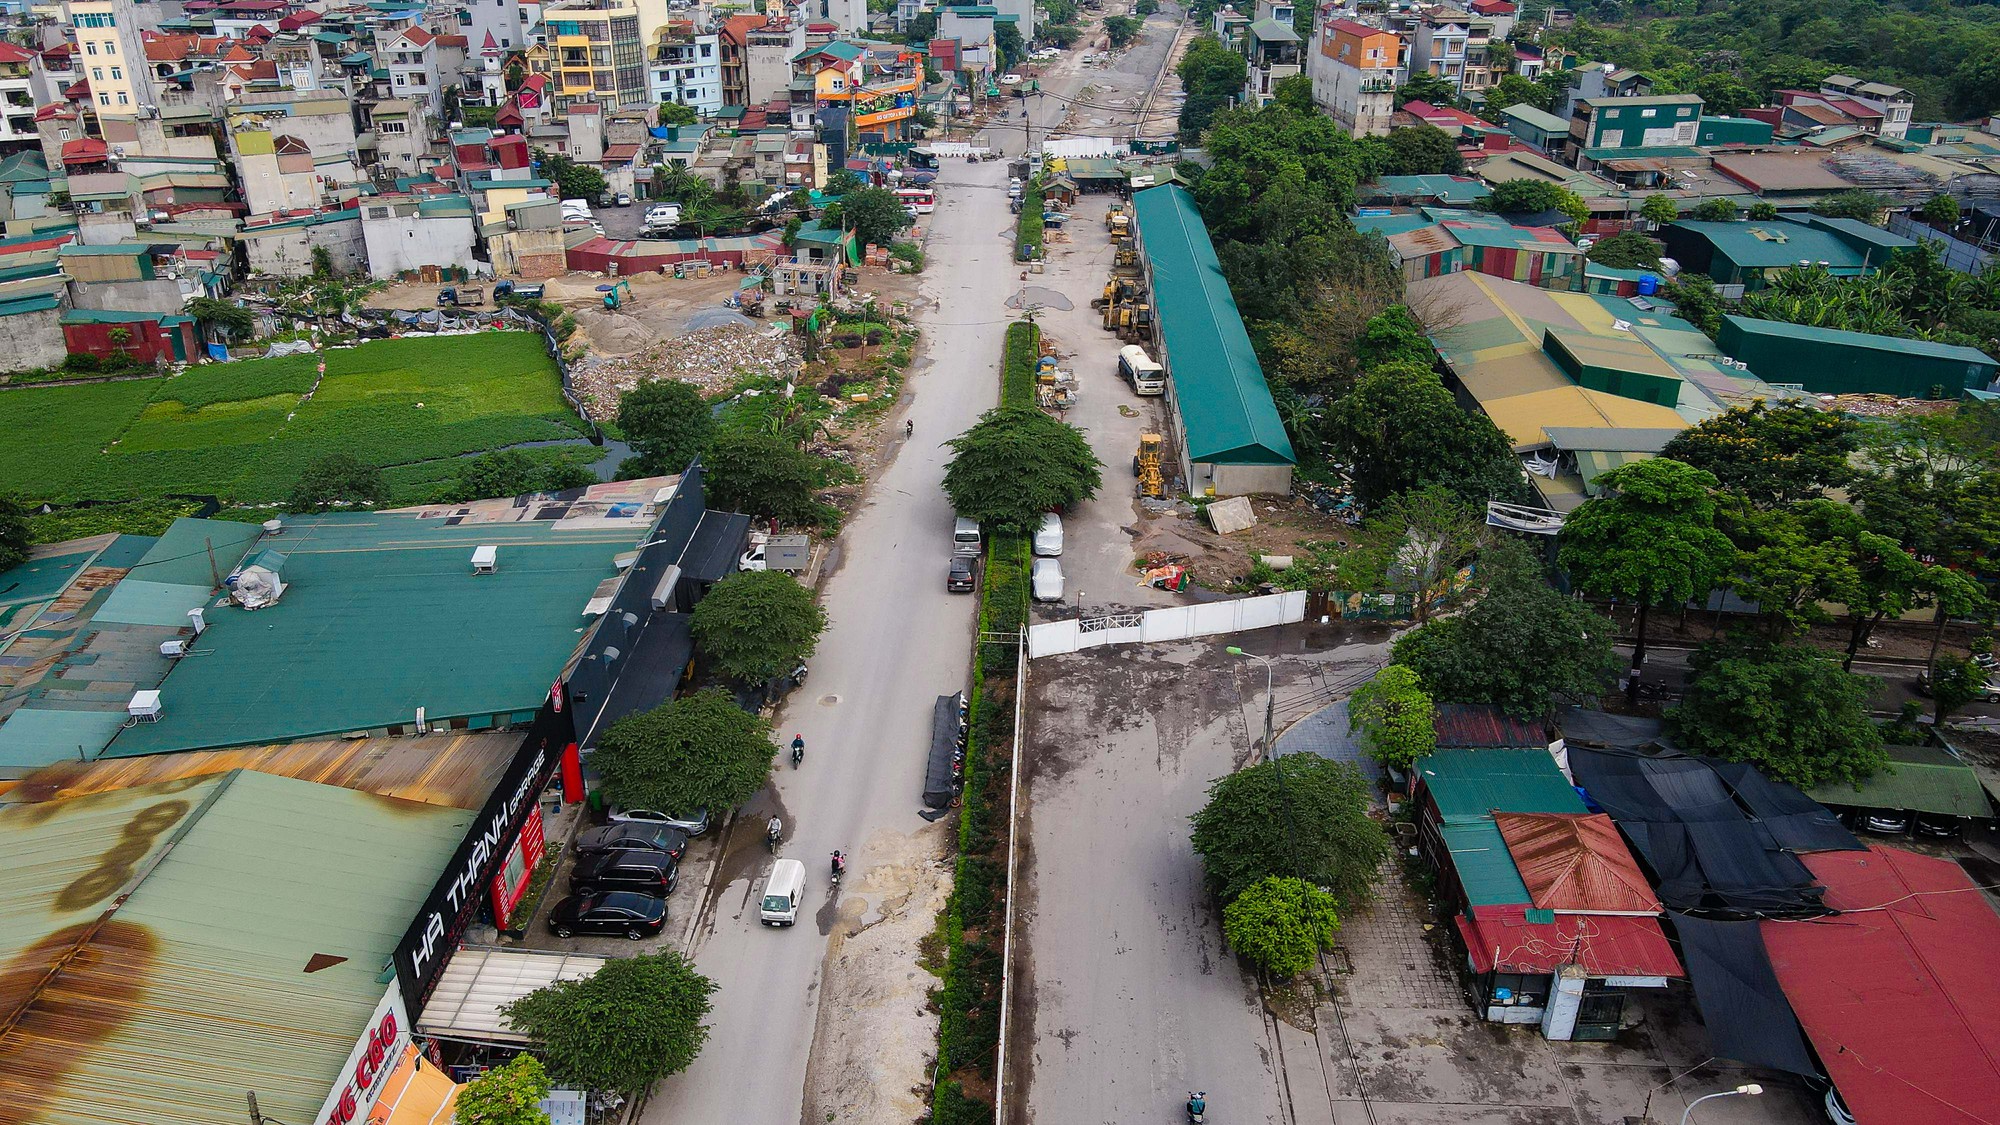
(1393, 962)
(1325, 733)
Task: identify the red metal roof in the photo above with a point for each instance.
(1606, 945)
(1482, 724)
(13, 54)
(1575, 862)
(85, 150)
(620, 154)
(1355, 28)
(1898, 995)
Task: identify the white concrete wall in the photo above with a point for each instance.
(31, 340)
(406, 242)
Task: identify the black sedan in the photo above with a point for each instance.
(648, 873)
(630, 836)
(619, 912)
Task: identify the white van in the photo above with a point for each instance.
(1138, 368)
(783, 889)
(965, 538)
(1049, 536)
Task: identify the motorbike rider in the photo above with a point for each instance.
(798, 748)
(774, 831)
(839, 864)
(1197, 1105)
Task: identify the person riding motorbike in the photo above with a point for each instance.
(798, 750)
(1197, 1106)
(773, 832)
(909, 428)
(839, 866)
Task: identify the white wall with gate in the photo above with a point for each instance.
(1177, 623)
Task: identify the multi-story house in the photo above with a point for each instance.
(112, 58)
(411, 58)
(687, 68)
(595, 53)
(1478, 72)
(1437, 44)
(1271, 48)
(1627, 127)
(17, 96)
(1355, 71)
(1893, 102)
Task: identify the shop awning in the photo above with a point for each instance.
(1503, 938)
(479, 982)
(417, 1094)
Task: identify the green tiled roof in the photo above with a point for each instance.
(1919, 779)
(1219, 386)
(1469, 786)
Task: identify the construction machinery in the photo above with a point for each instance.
(1120, 295)
(1118, 223)
(1125, 262)
(614, 294)
(1146, 465)
(1131, 319)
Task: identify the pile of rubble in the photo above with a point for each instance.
(713, 359)
(1886, 406)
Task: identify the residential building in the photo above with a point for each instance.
(1271, 47)
(596, 53)
(1355, 71)
(1893, 102)
(1437, 44)
(1499, 16)
(1608, 128)
(410, 56)
(400, 135)
(111, 55)
(687, 68)
(972, 27)
(17, 95)
(1750, 253)
(1539, 128)
(412, 233)
(499, 19)
(1022, 14)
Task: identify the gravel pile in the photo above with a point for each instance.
(713, 359)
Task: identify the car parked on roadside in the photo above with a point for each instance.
(648, 873)
(622, 199)
(694, 824)
(1046, 579)
(961, 577)
(1049, 536)
(632, 836)
(1885, 822)
(612, 914)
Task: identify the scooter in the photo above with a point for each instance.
(798, 751)
(772, 835)
(1197, 1107)
(839, 868)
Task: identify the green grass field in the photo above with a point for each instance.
(243, 431)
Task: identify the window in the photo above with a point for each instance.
(111, 46)
(117, 74)
(1649, 113)
(95, 19)
(122, 99)
(97, 74)
(104, 99)
(90, 48)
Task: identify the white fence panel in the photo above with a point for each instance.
(1052, 639)
(1176, 623)
(1070, 147)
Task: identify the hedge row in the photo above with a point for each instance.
(1017, 372)
(1028, 233)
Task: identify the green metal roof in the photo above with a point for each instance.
(1536, 118)
(115, 250)
(1643, 152)
(1778, 244)
(250, 954)
(39, 302)
(1919, 779)
(1894, 345)
(1470, 785)
(1386, 225)
(1272, 31)
(1451, 189)
(107, 316)
(1485, 868)
(381, 615)
(1219, 387)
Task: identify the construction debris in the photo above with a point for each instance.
(1233, 514)
(1886, 406)
(713, 359)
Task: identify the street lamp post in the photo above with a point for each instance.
(1750, 1088)
(1277, 763)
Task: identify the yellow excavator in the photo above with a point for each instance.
(1146, 465)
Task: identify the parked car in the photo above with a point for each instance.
(959, 579)
(648, 873)
(632, 836)
(663, 214)
(1049, 536)
(1937, 826)
(613, 913)
(1885, 822)
(1047, 580)
(623, 199)
(1010, 80)
(1990, 693)
(752, 559)
(693, 824)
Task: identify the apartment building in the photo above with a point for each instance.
(110, 55)
(17, 95)
(1893, 102)
(1602, 128)
(686, 68)
(1355, 70)
(1437, 44)
(1271, 48)
(595, 53)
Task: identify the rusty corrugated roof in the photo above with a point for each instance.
(1575, 862)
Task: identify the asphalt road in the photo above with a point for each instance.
(896, 641)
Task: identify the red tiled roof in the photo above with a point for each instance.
(85, 150)
(1852, 108)
(418, 36)
(49, 243)
(1493, 7)
(1606, 945)
(490, 44)
(170, 48)
(619, 154)
(1575, 862)
(77, 90)
(737, 29)
(257, 34)
(1815, 110)
(238, 53)
(298, 20)
(1898, 992)
(1355, 27)
(55, 110)
(13, 54)
(453, 41)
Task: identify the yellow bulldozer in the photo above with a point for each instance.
(1146, 466)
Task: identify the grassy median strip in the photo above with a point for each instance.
(968, 998)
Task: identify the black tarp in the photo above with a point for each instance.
(1796, 821)
(941, 777)
(1582, 726)
(1741, 1001)
(1706, 852)
(651, 673)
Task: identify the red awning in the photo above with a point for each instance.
(1577, 862)
(1898, 994)
(1606, 945)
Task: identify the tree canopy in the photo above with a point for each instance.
(1424, 86)
(509, 1094)
(1016, 463)
(700, 751)
(1626, 250)
(756, 625)
(1245, 834)
(334, 480)
(15, 534)
(574, 180)
(764, 475)
(1771, 454)
(629, 1024)
(1281, 924)
(1211, 74)
(1392, 717)
(512, 472)
(666, 422)
(1422, 150)
(1399, 429)
(875, 215)
(1787, 709)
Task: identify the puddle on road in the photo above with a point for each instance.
(1039, 297)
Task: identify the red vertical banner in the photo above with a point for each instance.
(510, 883)
(572, 774)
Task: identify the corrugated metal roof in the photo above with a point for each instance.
(1219, 386)
(1575, 862)
(1503, 938)
(168, 1005)
(1468, 785)
(1918, 779)
(477, 983)
(1537, 118)
(1474, 725)
(1890, 345)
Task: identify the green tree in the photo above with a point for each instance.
(1413, 543)
(1007, 40)
(1888, 582)
(1725, 95)
(1393, 718)
(764, 475)
(1864, 206)
(674, 113)
(1659, 210)
(1424, 86)
(15, 533)
(1296, 94)
(1532, 197)
(1512, 89)
(1318, 828)
(337, 479)
(511, 472)
(322, 264)
(1399, 429)
(1650, 540)
(1120, 30)
(843, 182)
(574, 180)
(1210, 75)
(1016, 463)
(1522, 647)
(1281, 924)
(1394, 336)
(1626, 250)
(1422, 150)
(875, 215)
(666, 423)
(222, 321)
(1145, 8)
(1762, 212)
(1785, 708)
(700, 751)
(1791, 561)
(1773, 455)
(1695, 300)
(1940, 211)
(506, 1095)
(757, 625)
(624, 1027)
(1715, 211)
(1957, 681)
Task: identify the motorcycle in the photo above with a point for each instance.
(839, 868)
(773, 833)
(798, 751)
(1197, 1107)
